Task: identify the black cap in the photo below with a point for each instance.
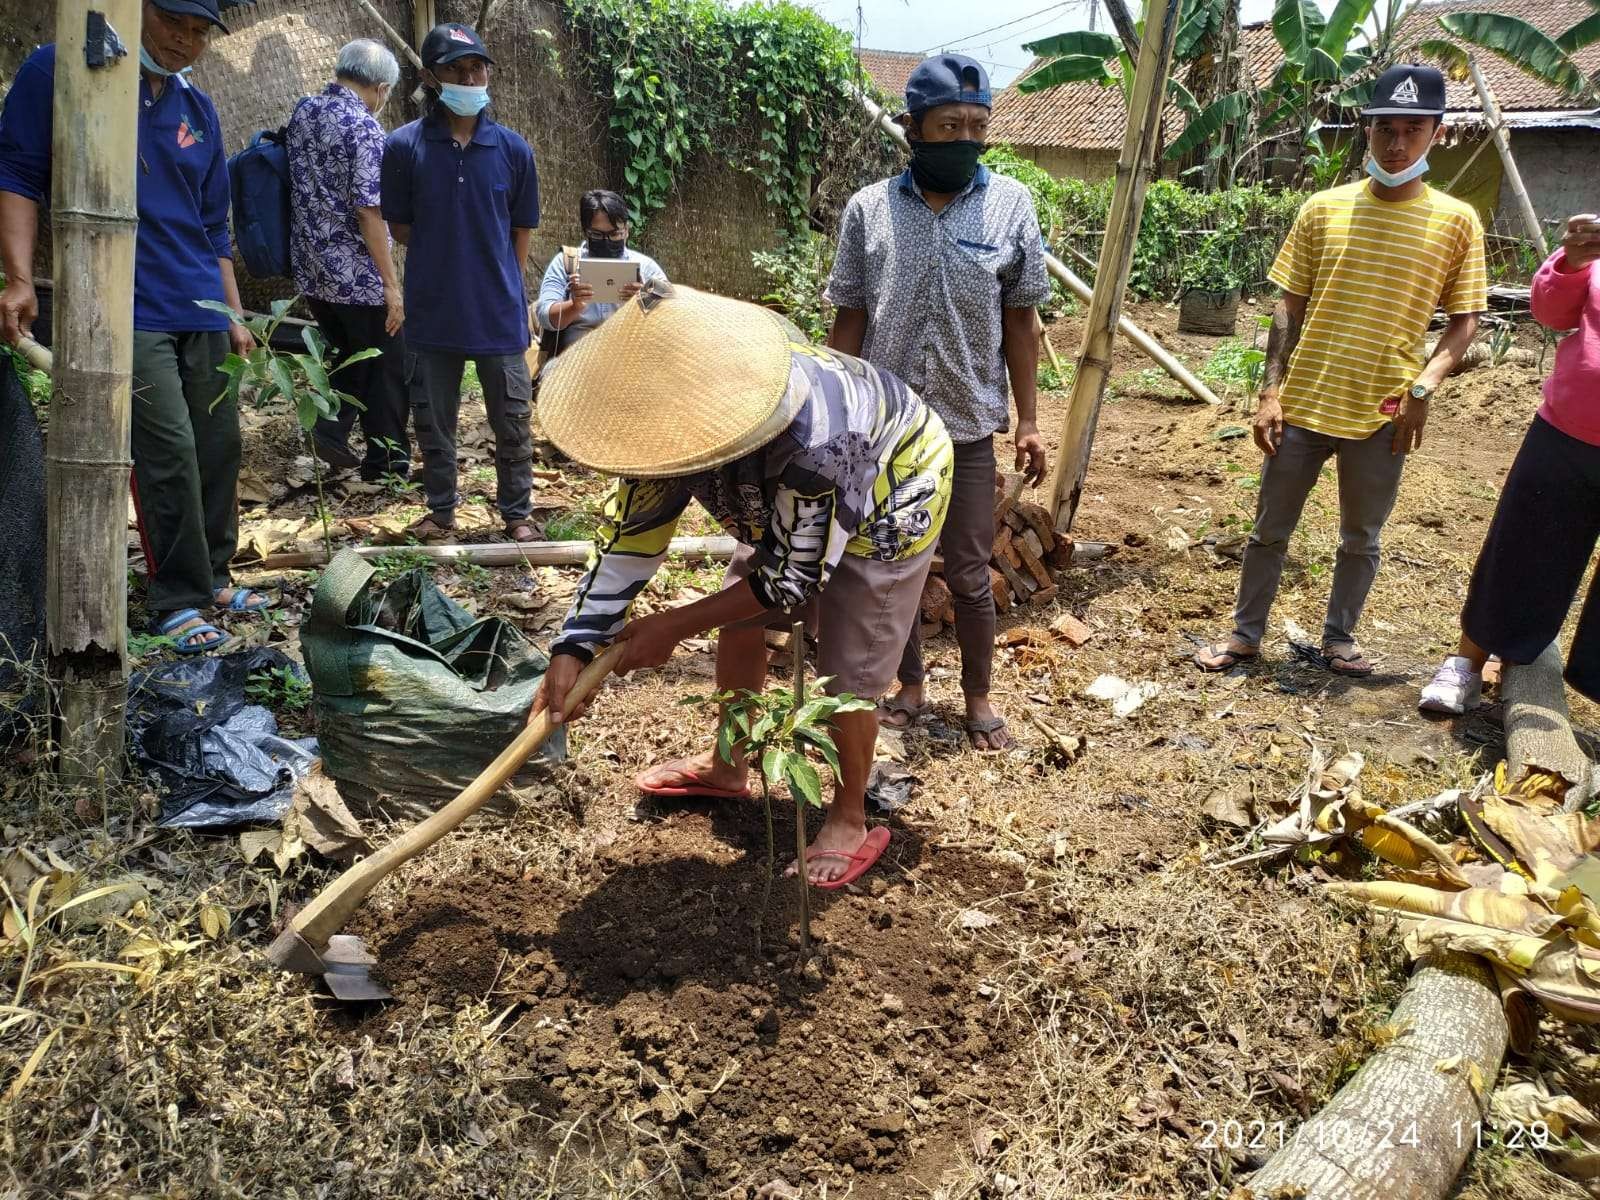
(193, 8)
(450, 41)
(1409, 90)
(947, 79)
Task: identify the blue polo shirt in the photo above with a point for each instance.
(464, 289)
(182, 190)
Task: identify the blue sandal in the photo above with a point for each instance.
(245, 600)
(190, 641)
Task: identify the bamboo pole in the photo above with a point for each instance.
(94, 216)
(392, 33)
(1116, 258)
(36, 355)
(1065, 276)
(504, 554)
(1502, 143)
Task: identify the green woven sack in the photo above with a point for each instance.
(414, 696)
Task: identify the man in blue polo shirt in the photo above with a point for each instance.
(185, 442)
(461, 193)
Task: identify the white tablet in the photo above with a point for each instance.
(608, 276)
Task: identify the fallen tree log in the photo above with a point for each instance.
(1539, 727)
(1403, 1126)
(502, 554)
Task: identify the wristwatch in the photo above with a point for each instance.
(1421, 391)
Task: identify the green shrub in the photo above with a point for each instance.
(798, 273)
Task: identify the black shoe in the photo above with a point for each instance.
(335, 454)
(380, 472)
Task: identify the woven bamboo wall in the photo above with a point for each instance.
(280, 50)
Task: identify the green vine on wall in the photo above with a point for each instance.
(766, 87)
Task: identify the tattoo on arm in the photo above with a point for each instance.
(1282, 338)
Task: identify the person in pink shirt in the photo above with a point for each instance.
(1548, 519)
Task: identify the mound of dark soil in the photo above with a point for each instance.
(647, 1002)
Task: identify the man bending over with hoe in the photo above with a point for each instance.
(1362, 271)
(831, 473)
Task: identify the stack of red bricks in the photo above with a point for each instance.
(1026, 549)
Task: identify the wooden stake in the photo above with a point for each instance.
(94, 216)
(1502, 143)
(1064, 275)
(797, 652)
(1116, 258)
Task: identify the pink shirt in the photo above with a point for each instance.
(1572, 392)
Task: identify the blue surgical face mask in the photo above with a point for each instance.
(155, 68)
(462, 100)
(1415, 171)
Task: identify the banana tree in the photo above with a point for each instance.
(1088, 56)
(1524, 46)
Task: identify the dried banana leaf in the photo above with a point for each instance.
(1479, 906)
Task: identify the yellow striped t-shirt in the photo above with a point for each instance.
(1374, 270)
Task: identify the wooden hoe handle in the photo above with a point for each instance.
(331, 908)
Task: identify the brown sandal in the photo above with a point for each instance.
(429, 530)
(521, 531)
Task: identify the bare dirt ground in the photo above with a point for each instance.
(1048, 989)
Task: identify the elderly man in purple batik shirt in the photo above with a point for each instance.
(339, 248)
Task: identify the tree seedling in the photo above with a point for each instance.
(304, 380)
(778, 731)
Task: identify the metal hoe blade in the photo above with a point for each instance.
(346, 962)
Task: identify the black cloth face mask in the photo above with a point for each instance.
(944, 167)
(606, 248)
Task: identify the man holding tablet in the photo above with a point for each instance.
(583, 286)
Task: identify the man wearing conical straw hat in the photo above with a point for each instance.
(833, 476)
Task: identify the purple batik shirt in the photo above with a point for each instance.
(335, 155)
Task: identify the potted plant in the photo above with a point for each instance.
(1212, 283)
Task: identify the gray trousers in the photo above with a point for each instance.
(1369, 480)
(433, 381)
(967, 543)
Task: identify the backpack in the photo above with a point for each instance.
(259, 178)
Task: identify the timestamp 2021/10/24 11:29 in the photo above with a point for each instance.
(1369, 1136)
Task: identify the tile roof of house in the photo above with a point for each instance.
(890, 69)
(1516, 91)
(1086, 116)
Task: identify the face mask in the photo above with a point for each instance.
(1414, 171)
(155, 68)
(605, 249)
(944, 167)
(462, 100)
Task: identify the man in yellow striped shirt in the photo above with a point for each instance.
(1362, 271)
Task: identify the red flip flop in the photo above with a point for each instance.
(681, 790)
(870, 851)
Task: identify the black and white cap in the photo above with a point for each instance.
(1409, 90)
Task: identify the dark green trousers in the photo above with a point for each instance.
(185, 466)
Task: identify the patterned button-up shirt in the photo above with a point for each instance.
(335, 152)
(934, 284)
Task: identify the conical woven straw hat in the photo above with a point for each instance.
(675, 382)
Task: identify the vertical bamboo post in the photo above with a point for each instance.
(94, 217)
(1502, 143)
(1139, 146)
(797, 649)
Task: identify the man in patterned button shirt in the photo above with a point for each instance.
(939, 274)
(339, 250)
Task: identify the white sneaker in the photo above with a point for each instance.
(1455, 688)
